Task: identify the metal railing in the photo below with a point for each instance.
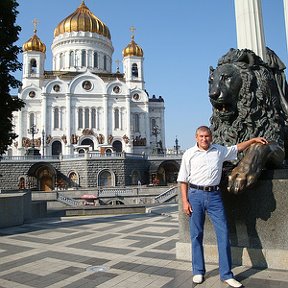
(115, 192)
(68, 200)
(167, 195)
(89, 155)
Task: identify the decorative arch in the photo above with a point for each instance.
(41, 177)
(56, 148)
(74, 179)
(167, 172)
(88, 141)
(22, 182)
(56, 86)
(98, 85)
(106, 178)
(135, 177)
(117, 146)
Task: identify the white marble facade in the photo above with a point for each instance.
(81, 104)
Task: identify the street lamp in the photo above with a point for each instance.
(33, 130)
(176, 146)
(43, 139)
(155, 132)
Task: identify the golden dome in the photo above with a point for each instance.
(34, 44)
(132, 49)
(82, 20)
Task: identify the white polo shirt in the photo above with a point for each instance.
(202, 167)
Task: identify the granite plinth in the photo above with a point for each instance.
(258, 221)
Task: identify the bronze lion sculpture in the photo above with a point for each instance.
(249, 99)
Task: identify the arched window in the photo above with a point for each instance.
(32, 119)
(134, 70)
(136, 123)
(105, 62)
(89, 142)
(56, 118)
(153, 124)
(93, 118)
(22, 183)
(33, 66)
(105, 179)
(72, 59)
(86, 117)
(56, 148)
(117, 146)
(74, 179)
(61, 60)
(83, 58)
(116, 118)
(135, 177)
(95, 60)
(80, 118)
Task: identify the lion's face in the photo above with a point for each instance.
(225, 83)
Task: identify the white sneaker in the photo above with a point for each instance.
(198, 279)
(233, 283)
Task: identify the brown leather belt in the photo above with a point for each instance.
(205, 188)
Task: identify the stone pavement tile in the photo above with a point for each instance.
(138, 251)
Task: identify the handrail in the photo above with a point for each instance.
(166, 195)
(68, 200)
(89, 155)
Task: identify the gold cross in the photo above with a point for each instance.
(35, 24)
(132, 29)
(117, 62)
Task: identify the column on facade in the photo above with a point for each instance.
(121, 116)
(44, 121)
(128, 125)
(68, 121)
(105, 117)
(249, 26)
(87, 58)
(147, 126)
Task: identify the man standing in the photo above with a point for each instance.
(199, 177)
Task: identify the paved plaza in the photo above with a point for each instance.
(123, 251)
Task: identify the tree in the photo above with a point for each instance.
(9, 63)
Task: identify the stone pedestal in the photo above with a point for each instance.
(15, 208)
(258, 221)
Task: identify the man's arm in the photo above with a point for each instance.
(184, 195)
(243, 145)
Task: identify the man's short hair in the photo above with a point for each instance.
(205, 128)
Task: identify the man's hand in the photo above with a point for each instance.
(187, 208)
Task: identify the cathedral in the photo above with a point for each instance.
(82, 106)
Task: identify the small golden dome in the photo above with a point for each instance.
(132, 49)
(34, 44)
(82, 20)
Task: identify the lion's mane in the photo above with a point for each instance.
(259, 111)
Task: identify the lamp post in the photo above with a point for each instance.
(33, 130)
(176, 146)
(43, 139)
(155, 132)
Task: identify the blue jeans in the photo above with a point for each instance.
(210, 202)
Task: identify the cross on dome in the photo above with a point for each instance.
(132, 29)
(35, 24)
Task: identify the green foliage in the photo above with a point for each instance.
(9, 63)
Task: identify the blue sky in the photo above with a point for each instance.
(180, 39)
